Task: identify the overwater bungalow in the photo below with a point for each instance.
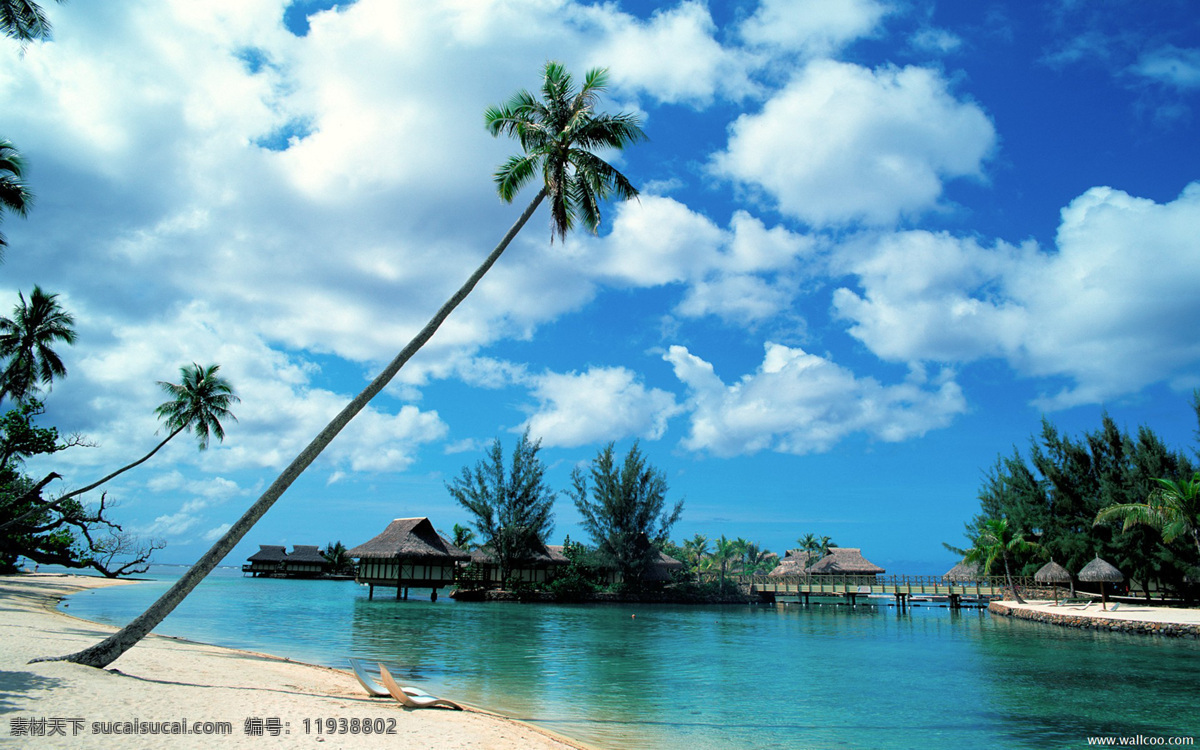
(265, 562)
(661, 570)
(845, 561)
(963, 573)
(305, 561)
(539, 568)
(409, 553)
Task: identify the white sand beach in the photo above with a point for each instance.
(264, 700)
(1123, 612)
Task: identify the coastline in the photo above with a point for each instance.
(1128, 618)
(265, 700)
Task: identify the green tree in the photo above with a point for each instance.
(24, 21)
(694, 552)
(624, 510)
(339, 562)
(513, 507)
(725, 551)
(817, 547)
(555, 133)
(14, 192)
(997, 543)
(199, 401)
(27, 343)
(1173, 508)
(463, 537)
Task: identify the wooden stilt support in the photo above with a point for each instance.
(370, 591)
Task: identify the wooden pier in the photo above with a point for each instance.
(801, 587)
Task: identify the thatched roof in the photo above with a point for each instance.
(661, 568)
(1052, 572)
(1099, 571)
(962, 572)
(845, 561)
(269, 553)
(544, 556)
(794, 564)
(306, 553)
(409, 539)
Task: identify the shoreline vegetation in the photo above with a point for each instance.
(168, 681)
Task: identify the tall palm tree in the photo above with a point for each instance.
(995, 541)
(557, 135)
(23, 20)
(1173, 508)
(14, 193)
(198, 402)
(27, 342)
(725, 551)
(694, 550)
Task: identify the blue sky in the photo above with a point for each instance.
(876, 243)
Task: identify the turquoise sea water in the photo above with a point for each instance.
(683, 677)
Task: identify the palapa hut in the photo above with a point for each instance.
(1052, 573)
(408, 553)
(846, 561)
(305, 561)
(794, 563)
(662, 569)
(1099, 571)
(266, 561)
(537, 569)
(962, 573)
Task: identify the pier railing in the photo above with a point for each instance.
(805, 585)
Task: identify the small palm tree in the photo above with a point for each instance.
(199, 401)
(995, 542)
(1173, 508)
(339, 561)
(14, 193)
(694, 550)
(463, 537)
(27, 342)
(23, 20)
(725, 551)
(557, 134)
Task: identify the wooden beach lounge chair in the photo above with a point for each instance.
(374, 689)
(413, 701)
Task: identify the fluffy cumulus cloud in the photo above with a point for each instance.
(844, 143)
(744, 273)
(812, 27)
(602, 403)
(1119, 289)
(797, 402)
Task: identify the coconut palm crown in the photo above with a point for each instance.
(27, 341)
(199, 401)
(1173, 508)
(558, 134)
(23, 20)
(14, 193)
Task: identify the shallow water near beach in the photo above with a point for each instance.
(684, 677)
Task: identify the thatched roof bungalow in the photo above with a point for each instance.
(794, 563)
(409, 553)
(304, 561)
(845, 561)
(537, 569)
(662, 569)
(267, 561)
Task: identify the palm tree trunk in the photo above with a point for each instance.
(1011, 586)
(108, 650)
(48, 503)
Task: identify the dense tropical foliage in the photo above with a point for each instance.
(1064, 493)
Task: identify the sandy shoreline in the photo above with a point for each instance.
(1127, 617)
(170, 680)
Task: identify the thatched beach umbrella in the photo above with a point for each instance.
(1052, 573)
(962, 573)
(1099, 571)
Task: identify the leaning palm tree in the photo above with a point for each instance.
(1173, 508)
(14, 193)
(198, 402)
(23, 20)
(557, 133)
(27, 341)
(995, 542)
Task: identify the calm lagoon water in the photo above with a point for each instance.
(681, 677)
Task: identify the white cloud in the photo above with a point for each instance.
(797, 402)
(600, 404)
(673, 56)
(814, 27)
(216, 532)
(843, 143)
(1107, 311)
(1172, 66)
